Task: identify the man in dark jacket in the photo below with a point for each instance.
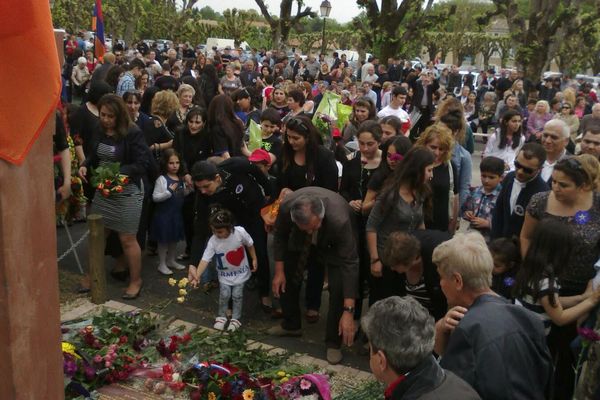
(497, 347)
(314, 227)
(517, 189)
(401, 338)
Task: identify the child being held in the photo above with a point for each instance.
(226, 246)
(480, 202)
(507, 259)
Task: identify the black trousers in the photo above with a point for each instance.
(290, 300)
(256, 229)
(421, 124)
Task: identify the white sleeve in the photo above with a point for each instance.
(245, 236)
(209, 252)
(161, 191)
(489, 147)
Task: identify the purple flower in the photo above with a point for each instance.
(509, 281)
(69, 367)
(90, 372)
(581, 217)
(588, 334)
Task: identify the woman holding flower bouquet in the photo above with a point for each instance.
(120, 142)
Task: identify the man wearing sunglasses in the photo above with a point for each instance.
(517, 189)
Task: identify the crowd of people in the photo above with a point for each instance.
(371, 212)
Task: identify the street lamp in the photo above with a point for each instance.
(325, 10)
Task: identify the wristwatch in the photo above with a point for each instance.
(349, 309)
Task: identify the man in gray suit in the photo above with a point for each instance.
(314, 227)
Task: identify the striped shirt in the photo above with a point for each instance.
(535, 304)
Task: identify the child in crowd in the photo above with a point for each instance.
(167, 221)
(537, 286)
(226, 246)
(507, 260)
(270, 122)
(480, 202)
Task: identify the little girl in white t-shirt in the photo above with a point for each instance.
(226, 247)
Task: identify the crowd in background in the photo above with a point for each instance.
(370, 211)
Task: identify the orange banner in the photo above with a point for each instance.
(30, 77)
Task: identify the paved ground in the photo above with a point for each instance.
(201, 308)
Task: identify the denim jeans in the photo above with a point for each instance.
(236, 293)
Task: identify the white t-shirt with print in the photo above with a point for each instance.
(230, 256)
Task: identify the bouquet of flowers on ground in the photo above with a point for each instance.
(108, 180)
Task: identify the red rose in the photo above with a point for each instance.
(167, 369)
(186, 338)
(123, 339)
(116, 330)
(177, 386)
(167, 377)
(107, 181)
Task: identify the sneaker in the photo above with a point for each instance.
(175, 265)
(234, 325)
(334, 356)
(163, 269)
(220, 323)
(278, 330)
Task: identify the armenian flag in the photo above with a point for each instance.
(98, 28)
(30, 80)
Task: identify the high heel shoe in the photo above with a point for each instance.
(129, 296)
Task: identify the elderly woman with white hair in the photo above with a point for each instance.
(401, 337)
(537, 119)
(185, 94)
(554, 139)
(497, 347)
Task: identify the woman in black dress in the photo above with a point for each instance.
(355, 179)
(194, 144)
(444, 184)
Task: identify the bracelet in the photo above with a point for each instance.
(375, 260)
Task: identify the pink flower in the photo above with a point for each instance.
(304, 384)
(98, 358)
(108, 364)
(588, 334)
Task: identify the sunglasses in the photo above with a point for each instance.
(525, 169)
(295, 123)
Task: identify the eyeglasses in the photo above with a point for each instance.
(294, 123)
(525, 169)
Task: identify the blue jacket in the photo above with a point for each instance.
(462, 159)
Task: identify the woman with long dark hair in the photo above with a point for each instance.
(121, 141)
(208, 83)
(399, 207)
(226, 129)
(508, 139)
(363, 109)
(193, 142)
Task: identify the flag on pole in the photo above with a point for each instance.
(98, 28)
(30, 82)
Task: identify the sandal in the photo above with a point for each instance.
(220, 323)
(234, 325)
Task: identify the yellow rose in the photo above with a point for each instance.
(284, 379)
(211, 396)
(70, 349)
(281, 373)
(172, 281)
(182, 292)
(180, 299)
(248, 394)
(183, 282)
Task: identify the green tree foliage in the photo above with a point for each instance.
(207, 12)
(235, 24)
(281, 26)
(72, 15)
(539, 27)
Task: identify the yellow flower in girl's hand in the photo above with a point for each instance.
(180, 299)
(172, 281)
(182, 292)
